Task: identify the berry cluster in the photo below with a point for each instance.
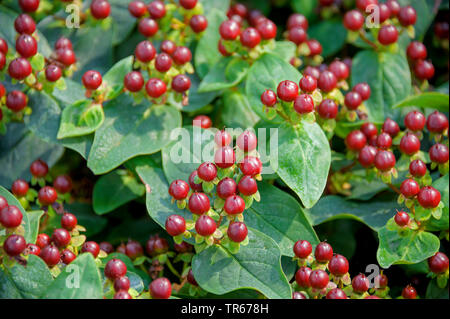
(417, 53)
(234, 179)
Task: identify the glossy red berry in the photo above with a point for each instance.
(304, 104)
(394, 7)
(100, 9)
(424, 70)
(287, 91)
(441, 29)
(352, 100)
(157, 9)
(327, 81)
(33, 249)
(381, 281)
(250, 38)
(409, 188)
(122, 284)
(63, 43)
(145, 51)
(160, 288)
(409, 144)
(353, 20)
(312, 71)
(384, 12)
(148, 27)
(11, 216)
(302, 277)
(137, 8)
(385, 161)
(384, 141)
(363, 89)
(39, 168)
(391, 127)
(366, 156)
(297, 35)
(308, 84)
(16, 101)
(188, 4)
(29, 5)
(133, 249)
(417, 168)
(175, 225)
(168, 47)
(181, 83)
(24, 24)
(438, 263)
(388, 34)
(297, 20)
(355, 140)
(302, 249)
(229, 30)
(14, 245)
(106, 247)
(179, 189)
(226, 188)
(429, 197)
(91, 247)
(61, 237)
(134, 81)
(3, 46)
(69, 221)
(416, 51)
(247, 186)
(47, 195)
(155, 88)
(2, 63)
(207, 171)
(205, 226)
(439, 153)
(336, 293)
(53, 73)
(409, 292)
(415, 121)
(92, 80)
(338, 265)
(66, 56)
(360, 284)
(328, 109)
(237, 232)
(318, 279)
(269, 98)
(251, 166)
(315, 48)
(19, 68)
(363, 5)
(267, 29)
(198, 23)
(20, 188)
(115, 268)
(437, 122)
(3, 203)
(183, 247)
(192, 184)
(156, 245)
(340, 70)
(407, 16)
(182, 55)
(323, 252)
(202, 121)
(26, 46)
(234, 205)
(199, 203)
(369, 130)
(191, 279)
(42, 240)
(222, 138)
(247, 141)
(225, 157)
(401, 218)
(122, 294)
(50, 255)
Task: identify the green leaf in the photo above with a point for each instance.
(432, 100)
(303, 160)
(237, 112)
(327, 30)
(115, 189)
(409, 248)
(285, 50)
(34, 218)
(37, 62)
(28, 282)
(80, 118)
(255, 266)
(114, 77)
(122, 21)
(214, 5)
(227, 73)
(280, 216)
(374, 214)
(79, 280)
(130, 130)
(442, 224)
(306, 8)
(265, 74)
(29, 233)
(389, 78)
(435, 292)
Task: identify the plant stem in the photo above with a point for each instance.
(394, 188)
(172, 269)
(365, 39)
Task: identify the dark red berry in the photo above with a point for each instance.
(92, 80)
(315, 48)
(39, 168)
(369, 130)
(304, 104)
(409, 144)
(50, 255)
(198, 23)
(384, 12)
(91, 247)
(297, 20)
(175, 225)
(441, 30)
(353, 100)
(287, 91)
(14, 245)
(355, 140)
(47, 195)
(338, 265)
(401, 218)
(157, 9)
(269, 98)
(226, 188)
(439, 153)
(297, 35)
(69, 221)
(364, 4)
(302, 277)
(11, 216)
(202, 121)
(66, 56)
(381, 281)
(424, 70)
(115, 268)
(199, 203)
(191, 279)
(163, 62)
(133, 249)
(384, 141)
(188, 4)
(340, 70)
(63, 43)
(391, 127)
(168, 47)
(42, 240)
(26, 46)
(160, 288)
(148, 27)
(312, 71)
(237, 232)
(182, 55)
(417, 168)
(385, 161)
(53, 73)
(222, 138)
(394, 7)
(3, 202)
(437, 122)
(225, 157)
(326, 3)
(181, 83)
(302, 249)
(100, 9)
(327, 81)
(360, 284)
(61, 237)
(3, 46)
(207, 171)
(156, 245)
(409, 292)
(155, 88)
(247, 186)
(229, 30)
(33, 249)
(308, 84)
(415, 121)
(438, 263)
(234, 205)
(407, 16)
(363, 89)
(2, 66)
(429, 197)
(194, 186)
(179, 189)
(416, 51)
(145, 51)
(336, 293)
(366, 156)
(20, 188)
(409, 188)
(183, 247)
(251, 166)
(388, 34)
(122, 294)
(24, 24)
(122, 284)
(267, 29)
(29, 5)
(328, 109)
(247, 141)
(318, 279)
(205, 226)
(19, 68)
(16, 101)
(137, 8)
(250, 38)
(106, 247)
(323, 252)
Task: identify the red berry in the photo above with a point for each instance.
(29, 5)
(42, 240)
(66, 56)
(339, 69)
(14, 245)
(205, 226)
(323, 252)
(11, 217)
(336, 293)
(155, 88)
(179, 189)
(353, 100)
(401, 218)
(360, 284)
(194, 186)
(250, 38)
(437, 122)
(385, 161)
(168, 47)
(308, 84)
(19, 68)
(304, 104)
(207, 171)
(417, 168)
(115, 268)
(267, 29)
(297, 35)
(145, 51)
(366, 156)
(33, 249)
(39, 168)
(239, 9)
(2, 65)
(409, 188)
(160, 288)
(133, 81)
(338, 265)
(269, 98)
(63, 43)
(175, 225)
(199, 203)
(148, 27)
(439, 153)
(156, 245)
(237, 232)
(198, 23)
(363, 89)
(3, 202)
(26, 46)
(247, 186)
(438, 263)
(318, 279)
(384, 141)
(328, 109)
(381, 281)
(302, 277)
(181, 83)
(100, 9)
(315, 48)
(182, 55)
(122, 294)
(53, 73)
(50, 255)
(24, 24)
(225, 157)
(247, 141)
(388, 34)
(385, 12)
(106, 247)
(69, 221)
(424, 70)
(407, 16)
(226, 188)
(327, 81)
(137, 8)
(416, 51)
(163, 62)
(188, 4)
(297, 20)
(157, 9)
(251, 166)
(19, 188)
(133, 249)
(229, 30)
(394, 7)
(234, 205)
(312, 71)
(3, 46)
(409, 144)
(16, 101)
(415, 121)
(369, 130)
(202, 121)
(47, 195)
(409, 292)
(61, 237)
(326, 3)
(429, 197)
(391, 127)
(191, 279)
(302, 249)
(441, 30)
(183, 247)
(287, 91)
(122, 284)
(364, 4)
(222, 138)
(355, 140)
(92, 80)
(222, 49)
(91, 247)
